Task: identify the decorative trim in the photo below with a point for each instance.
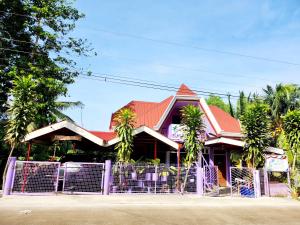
(149, 131)
(210, 116)
(64, 124)
(232, 134)
(223, 140)
(170, 106)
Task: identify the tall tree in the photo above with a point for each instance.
(218, 101)
(21, 112)
(291, 127)
(36, 40)
(124, 121)
(193, 125)
(281, 99)
(242, 103)
(256, 128)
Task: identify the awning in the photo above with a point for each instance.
(227, 141)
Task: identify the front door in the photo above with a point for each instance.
(220, 161)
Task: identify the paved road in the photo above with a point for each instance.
(146, 209)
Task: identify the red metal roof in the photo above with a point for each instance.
(184, 90)
(225, 120)
(147, 113)
(106, 136)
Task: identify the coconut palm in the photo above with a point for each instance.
(193, 125)
(281, 99)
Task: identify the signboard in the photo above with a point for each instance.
(276, 163)
(175, 132)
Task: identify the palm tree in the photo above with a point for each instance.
(63, 105)
(124, 121)
(193, 125)
(281, 99)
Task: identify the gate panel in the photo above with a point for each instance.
(211, 180)
(83, 178)
(34, 177)
(242, 182)
(151, 179)
(278, 184)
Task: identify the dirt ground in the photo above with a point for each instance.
(146, 209)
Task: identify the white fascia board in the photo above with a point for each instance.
(170, 106)
(232, 134)
(210, 116)
(151, 132)
(225, 141)
(64, 124)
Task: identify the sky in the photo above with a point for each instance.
(201, 31)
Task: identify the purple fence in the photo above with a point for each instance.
(32, 177)
(151, 179)
(210, 181)
(83, 178)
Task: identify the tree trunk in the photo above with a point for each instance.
(186, 177)
(6, 168)
(294, 161)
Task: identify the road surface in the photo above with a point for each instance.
(146, 209)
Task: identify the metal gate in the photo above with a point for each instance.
(278, 184)
(242, 182)
(32, 177)
(151, 179)
(83, 178)
(210, 181)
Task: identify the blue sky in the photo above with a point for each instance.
(269, 29)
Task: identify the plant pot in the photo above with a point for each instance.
(154, 176)
(164, 178)
(114, 189)
(133, 176)
(148, 177)
(141, 184)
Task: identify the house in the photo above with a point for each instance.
(157, 132)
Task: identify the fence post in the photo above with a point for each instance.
(256, 183)
(9, 176)
(107, 177)
(266, 183)
(199, 174)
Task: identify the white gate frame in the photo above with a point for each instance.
(78, 192)
(34, 193)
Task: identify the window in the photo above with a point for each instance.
(176, 119)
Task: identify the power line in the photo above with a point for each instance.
(14, 50)
(195, 47)
(178, 44)
(163, 87)
(17, 14)
(135, 78)
(131, 84)
(193, 69)
(15, 40)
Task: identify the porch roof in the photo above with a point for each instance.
(103, 139)
(64, 127)
(227, 141)
(152, 133)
